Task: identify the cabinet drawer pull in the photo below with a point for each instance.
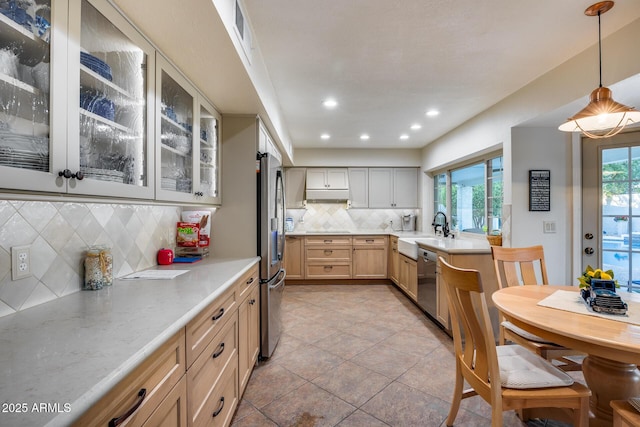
(217, 412)
(250, 281)
(218, 353)
(369, 240)
(328, 251)
(328, 267)
(219, 315)
(119, 420)
(252, 301)
(328, 240)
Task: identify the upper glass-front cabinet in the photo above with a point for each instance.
(25, 91)
(209, 153)
(85, 110)
(109, 125)
(187, 157)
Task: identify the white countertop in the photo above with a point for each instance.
(455, 246)
(72, 350)
(374, 232)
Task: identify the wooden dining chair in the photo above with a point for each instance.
(518, 266)
(508, 377)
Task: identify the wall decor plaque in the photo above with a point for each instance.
(539, 190)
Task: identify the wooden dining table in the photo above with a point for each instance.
(612, 347)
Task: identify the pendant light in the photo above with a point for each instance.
(602, 117)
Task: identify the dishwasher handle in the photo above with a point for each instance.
(429, 256)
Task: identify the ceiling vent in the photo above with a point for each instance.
(243, 30)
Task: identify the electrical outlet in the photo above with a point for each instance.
(20, 262)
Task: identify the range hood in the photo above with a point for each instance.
(327, 184)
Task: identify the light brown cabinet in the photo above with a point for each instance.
(478, 261)
(219, 356)
(172, 412)
(394, 259)
(196, 378)
(328, 257)
(370, 257)
(294, 257)
(142, 393)
(408, 276)
(248, 334)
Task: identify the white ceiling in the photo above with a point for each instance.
(388, 62)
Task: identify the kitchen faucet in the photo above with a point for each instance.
(443, 227)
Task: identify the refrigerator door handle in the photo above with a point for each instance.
(279, 281)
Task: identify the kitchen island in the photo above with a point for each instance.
(60, 358)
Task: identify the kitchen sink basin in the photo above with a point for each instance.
(408, 247)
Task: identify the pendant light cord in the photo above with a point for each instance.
(600, 48)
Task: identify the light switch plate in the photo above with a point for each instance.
(549, 226)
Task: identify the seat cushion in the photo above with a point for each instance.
(524, 334)
(522, 369)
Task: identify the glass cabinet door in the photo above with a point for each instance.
(112, 150)
(177, 150)
(209, 155)
(25, 58)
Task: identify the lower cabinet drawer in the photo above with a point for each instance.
(172, 412)
(206, 325)
(328, 271)
(206, 372)
(328, 254)
(220, 405)
(138, 395)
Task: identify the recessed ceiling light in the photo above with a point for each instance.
(404, 136)
(364, 137)
(330, 103)
(433, 113)
(416, 126)
(325, 136)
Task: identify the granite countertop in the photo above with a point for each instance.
(71, 351)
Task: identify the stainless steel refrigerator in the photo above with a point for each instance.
(271, 211)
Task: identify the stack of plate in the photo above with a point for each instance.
(103, 174)
(24, 151)
(24, 159)
(168, 184)
(97, 103)
(97, 65)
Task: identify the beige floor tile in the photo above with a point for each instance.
(308, 406)
(358, 356)
(352, 383)
(386, 361)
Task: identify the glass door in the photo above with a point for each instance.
(110, 139)
(611, 207)
(209, 131)
(25, 93)
(176, 151)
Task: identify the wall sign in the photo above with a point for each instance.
(539, 190)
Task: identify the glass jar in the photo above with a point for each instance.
(98, 268)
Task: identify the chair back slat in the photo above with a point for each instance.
(519, 266)
(476, 354)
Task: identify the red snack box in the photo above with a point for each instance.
(188, 234)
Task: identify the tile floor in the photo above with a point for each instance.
(357, 355)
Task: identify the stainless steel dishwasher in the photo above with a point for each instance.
(427, 290)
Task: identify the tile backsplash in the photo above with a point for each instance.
(336, 216)
(59, 234)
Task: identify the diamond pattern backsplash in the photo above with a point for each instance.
(59, 234)
(336, 216)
